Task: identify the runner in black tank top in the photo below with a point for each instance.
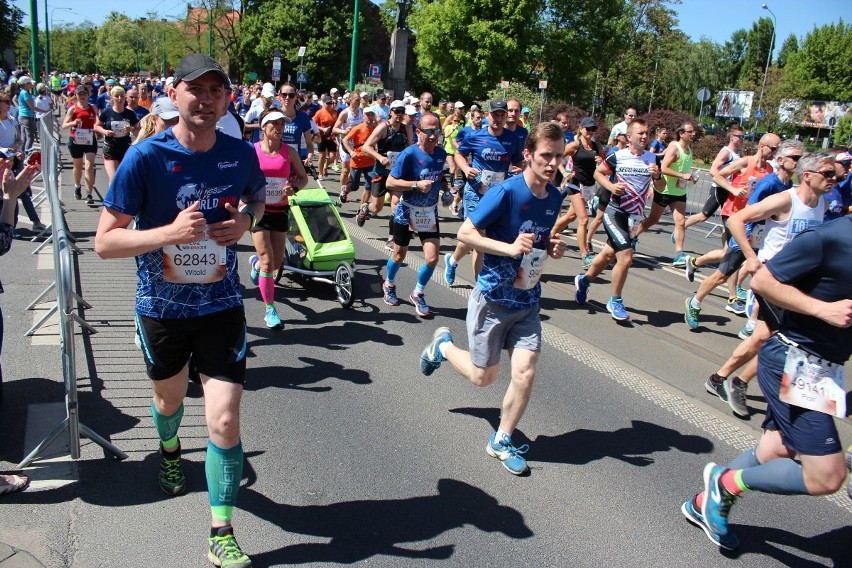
(586, 155)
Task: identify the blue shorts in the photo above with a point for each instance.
(803, 431)
(470, 200)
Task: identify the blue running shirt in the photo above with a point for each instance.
(492, 155)
(156, 180)
(506, 210)
(294, 133)
(415, 164)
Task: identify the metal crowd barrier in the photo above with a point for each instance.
(696, 197)
(64, 270)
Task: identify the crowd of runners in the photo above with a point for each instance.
(194, 162)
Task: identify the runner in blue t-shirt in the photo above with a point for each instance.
(183, 188)
(417, 175)
(810, 277)
(493, 151)
(511, 227)
(297, 125)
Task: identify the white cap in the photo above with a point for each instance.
(170, 81)
(316, 97)
(406, 94)
(397, 104)
(267, 91)
(459, 104)
(372, 108)
(164, 108)
(274, 115)
(410, 110)
(364, 94)
(334, 90)
(474, 107)
(23, 80)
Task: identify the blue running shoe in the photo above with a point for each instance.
(582, 287)
(450, 270)
(431, 357)
(271, 318)
(742, 294)
(736, 306)
(690, 268)
(507, 453)
(389, 291)
(750, 303)
(679, 261)
(616, 309)
(717, 499)
(587, 260)
(420, 305)
(672, 237)
(690, 315)
(255, 273)
(693, 515)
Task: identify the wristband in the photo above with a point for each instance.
(251, 215)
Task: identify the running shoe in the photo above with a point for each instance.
(750, 303)
(717, 500)
(747, 330)
(679, 260)
(38, 227)
(454, 209)
(255, 272)
(223, 550)
(742, 293)
(633, 243)
(736, 306)
(420, 305)
(616, 310)
(587, 260)
(693, 515)
(90, 200)
(506, 452)
(390, 294)
(592, 206)
(735, 390)
(716, 385)
(672, 237)
(271, 318)
(690, 316)
(431, 357)
(78, 192)
(446, 198)
(689, 268)
(320, 177)
(172, 479)
(389, 244)
(344, 196)
(589, 247)
(336, 168)
(581, 285)
(450, 270)
(362, 216)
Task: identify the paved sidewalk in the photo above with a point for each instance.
(11, 557)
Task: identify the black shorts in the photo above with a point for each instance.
(733, 260)
(664, 200)
(216, 342)
(603, 198)
(378, 185)
(115, 152)
(616, 225)
(402, 234)
(277, 221)
(78, 152)
(327, 145)
(56, 92)
(714, 201)
(726, 233)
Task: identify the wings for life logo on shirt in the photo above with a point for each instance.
(191, 192)
(494, 155)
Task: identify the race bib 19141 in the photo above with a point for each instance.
(813, 383)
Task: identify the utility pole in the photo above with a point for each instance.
(34, 39)
(46, 42)
(354, 55)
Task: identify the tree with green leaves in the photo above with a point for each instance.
(821, 69)
(120, 45)
(466, 47)
(789, 47)
(11, 18)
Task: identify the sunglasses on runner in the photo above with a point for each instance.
(398, 111)
(827, 174)
(430, 131)
(289, 95)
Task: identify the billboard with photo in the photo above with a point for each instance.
(814, 114)
(734, 104)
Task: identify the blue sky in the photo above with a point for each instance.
(715, 19)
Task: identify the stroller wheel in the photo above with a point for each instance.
(343, 285)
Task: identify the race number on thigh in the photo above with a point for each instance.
(529, 273)
(201, 262)
(813, 383)
(423, 219)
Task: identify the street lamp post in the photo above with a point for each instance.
(768, 59)
(47, 34)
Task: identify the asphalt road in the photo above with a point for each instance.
(354, 457)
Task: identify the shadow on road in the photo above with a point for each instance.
(359, 530)
(633, 445)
